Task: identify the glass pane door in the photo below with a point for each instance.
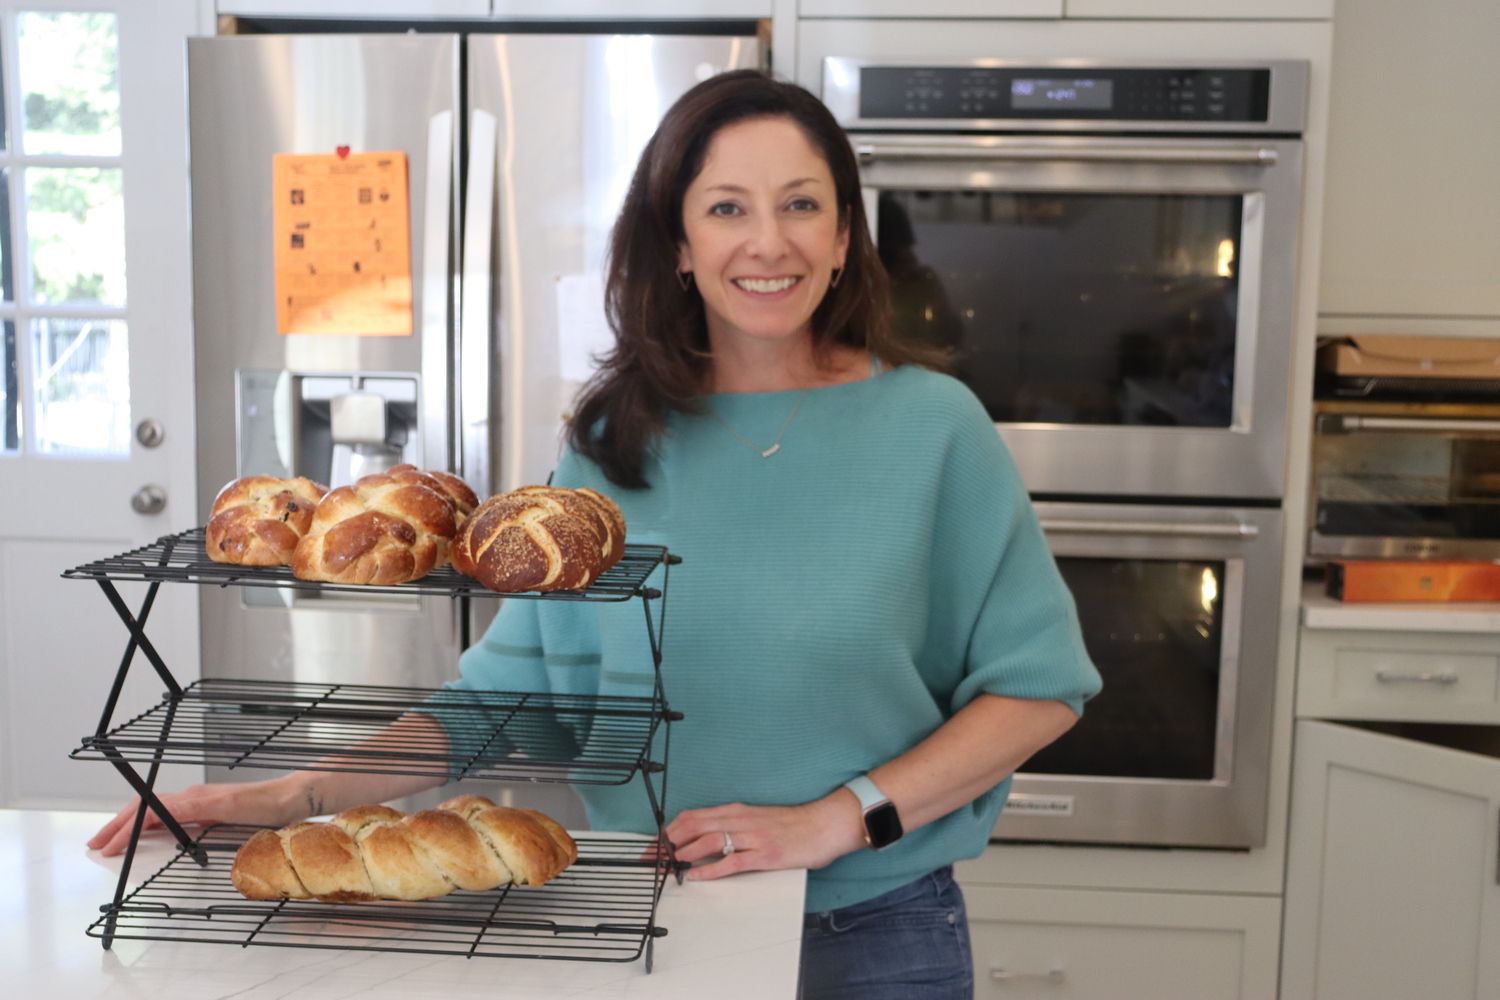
(1154, 628)
(1073, 308)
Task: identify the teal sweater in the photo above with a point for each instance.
(836, 603)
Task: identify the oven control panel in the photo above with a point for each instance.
(1064, 93)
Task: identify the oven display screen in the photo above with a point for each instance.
(1094, 95)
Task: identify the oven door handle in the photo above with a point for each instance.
(1258, 156)
(1345, 423)
(1176, 529)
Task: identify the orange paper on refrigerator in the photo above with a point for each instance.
(343, 244)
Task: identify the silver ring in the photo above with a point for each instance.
(728, 845)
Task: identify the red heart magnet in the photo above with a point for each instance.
(343, 151)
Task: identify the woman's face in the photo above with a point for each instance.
(763, 234)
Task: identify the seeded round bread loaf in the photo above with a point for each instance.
(540, 538)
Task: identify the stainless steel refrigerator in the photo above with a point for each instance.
(519, 150)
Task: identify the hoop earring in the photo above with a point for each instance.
(838, 273)
(685, 279)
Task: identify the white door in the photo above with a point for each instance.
(96, 338)
(1391, 868)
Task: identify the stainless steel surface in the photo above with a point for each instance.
(1287, 112)
(1248, 458)
(1102, 150)
(1181, 529)
(571, 114)
(1349, 422)
(1230, 809)
(1442, 677)
(478, 374)
(1370, 547)
(149, 499)
(150, 433)
(261, 395)
(1002, 975)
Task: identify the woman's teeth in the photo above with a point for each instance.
(765, 285)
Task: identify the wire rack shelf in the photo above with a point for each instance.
(504, 736)
(602, 909)
(182, 558)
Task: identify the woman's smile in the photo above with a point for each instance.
(766, 287)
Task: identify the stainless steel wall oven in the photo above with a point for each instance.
(1110, 252)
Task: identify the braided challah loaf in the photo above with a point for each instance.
(390, 527)
(540, 538)
(258, 520)
(375, 852)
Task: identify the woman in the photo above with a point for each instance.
(866, 610)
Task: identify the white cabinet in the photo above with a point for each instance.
(1193, 10)
(930, 8)
(1391, 870)
(630, 9)
(1110, 945)
(356, 8)
(1414, 676)
(1411, 222)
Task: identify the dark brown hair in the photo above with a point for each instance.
(661, 357)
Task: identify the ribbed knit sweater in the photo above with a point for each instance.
(836, 603)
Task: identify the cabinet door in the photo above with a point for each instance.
(1275, 10)
(1391, 870)
(1111, 945)
(356, 8)
(1411, 221)
(931, 8)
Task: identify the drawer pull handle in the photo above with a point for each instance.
(1426, 677)
(1004, 975)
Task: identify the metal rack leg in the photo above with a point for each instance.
(148, 798)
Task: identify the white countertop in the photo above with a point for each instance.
(734, 937)
(1323, 612)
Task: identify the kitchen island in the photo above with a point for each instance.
(733, 937)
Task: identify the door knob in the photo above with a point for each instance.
(150, 432)
(149, 499)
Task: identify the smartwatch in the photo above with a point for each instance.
(882, 825)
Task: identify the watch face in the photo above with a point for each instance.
(883, 825)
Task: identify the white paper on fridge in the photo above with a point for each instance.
(582, 331)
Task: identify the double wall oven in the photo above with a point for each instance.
(1109, 250)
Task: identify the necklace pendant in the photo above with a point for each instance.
(771, 450)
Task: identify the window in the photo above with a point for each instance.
(66, 369)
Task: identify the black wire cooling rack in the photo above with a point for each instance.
(182, 558)
(594, 740)
(601, 909)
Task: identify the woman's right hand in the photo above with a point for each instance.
(263, 803)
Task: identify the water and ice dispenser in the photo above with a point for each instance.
(330, 427)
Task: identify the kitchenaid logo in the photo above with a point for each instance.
(1027, 804)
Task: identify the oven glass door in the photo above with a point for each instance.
(1122, 307)
(1179, 607)
(1156, 630)
(1074, 308)
(1407, 481)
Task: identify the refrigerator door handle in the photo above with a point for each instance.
(474, 354)
(436, 242)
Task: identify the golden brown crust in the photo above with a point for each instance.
(464, 499)
(261, 870)
(384, 529)
(374, 851)
(540, 538)
(258, 520)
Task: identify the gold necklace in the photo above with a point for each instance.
(775, 445)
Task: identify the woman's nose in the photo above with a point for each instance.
(767, 238)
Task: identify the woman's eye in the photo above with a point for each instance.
(803, 205)
(724, 208)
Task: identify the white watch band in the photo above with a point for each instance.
(866, 791)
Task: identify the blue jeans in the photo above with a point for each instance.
(910, 944)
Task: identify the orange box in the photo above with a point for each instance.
(1381, 580)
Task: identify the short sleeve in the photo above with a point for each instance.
(997, 592)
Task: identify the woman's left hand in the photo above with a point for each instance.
(769, 837)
